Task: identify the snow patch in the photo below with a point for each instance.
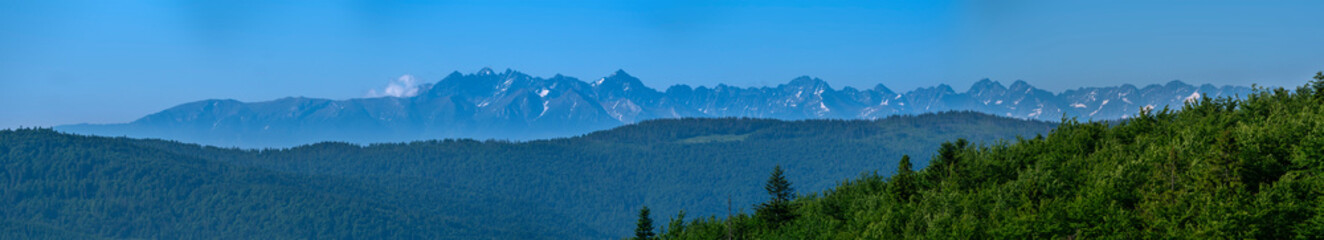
(1096, 111)
(867, 112)
(544, 108)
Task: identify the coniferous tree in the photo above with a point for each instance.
(1318, 84)
(1218, 168)
(944, 163)
(777, 210)
(904, 167)
(947, 152)
(904, 180)
(676, 227)
(644, 228)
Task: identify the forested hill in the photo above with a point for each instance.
(60, 186)
(1217, 169)
(571, 188)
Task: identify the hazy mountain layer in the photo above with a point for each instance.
(513, 105)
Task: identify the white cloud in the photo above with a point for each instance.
(405, 86)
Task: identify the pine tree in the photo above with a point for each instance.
(904, 167)
(1318, 83)
(944, 163)
(644, 228)
(676, 227)
(904, 180)
(778, 210)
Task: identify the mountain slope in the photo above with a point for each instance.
(514, 105)
(579, 186)
(1217, 169)
(66, 186)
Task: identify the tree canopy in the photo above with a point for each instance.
(55, 185)
(1219, 168)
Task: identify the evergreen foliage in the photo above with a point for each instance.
(777, 210)
(55, 185)
(676, 226)
(1218, 169)
(904, 180)
(644, 227)
(1318, 83)
(59, 186)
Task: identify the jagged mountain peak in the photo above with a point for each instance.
(945, 88)
(620, 72)
(806, 82)
(987, 84)
(883, 89)
(488, 72)
(985, 87)
(619, 79)
(1176, 83)
(485, 82)
(1020, 85)
(559, 77)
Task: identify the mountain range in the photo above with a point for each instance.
(513, 105)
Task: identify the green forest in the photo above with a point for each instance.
(588, 187)
(1221, 168)
(1215, 168)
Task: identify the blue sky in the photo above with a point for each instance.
(64, 62)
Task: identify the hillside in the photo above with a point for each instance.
(569, 188)
(67, 186)
(513, 105)
(1218, 169)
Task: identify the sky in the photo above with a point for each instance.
(66, 62)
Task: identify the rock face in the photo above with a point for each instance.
(514, 105)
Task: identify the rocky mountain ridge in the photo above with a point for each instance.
(513, 105)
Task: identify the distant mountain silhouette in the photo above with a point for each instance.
(514, 105)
